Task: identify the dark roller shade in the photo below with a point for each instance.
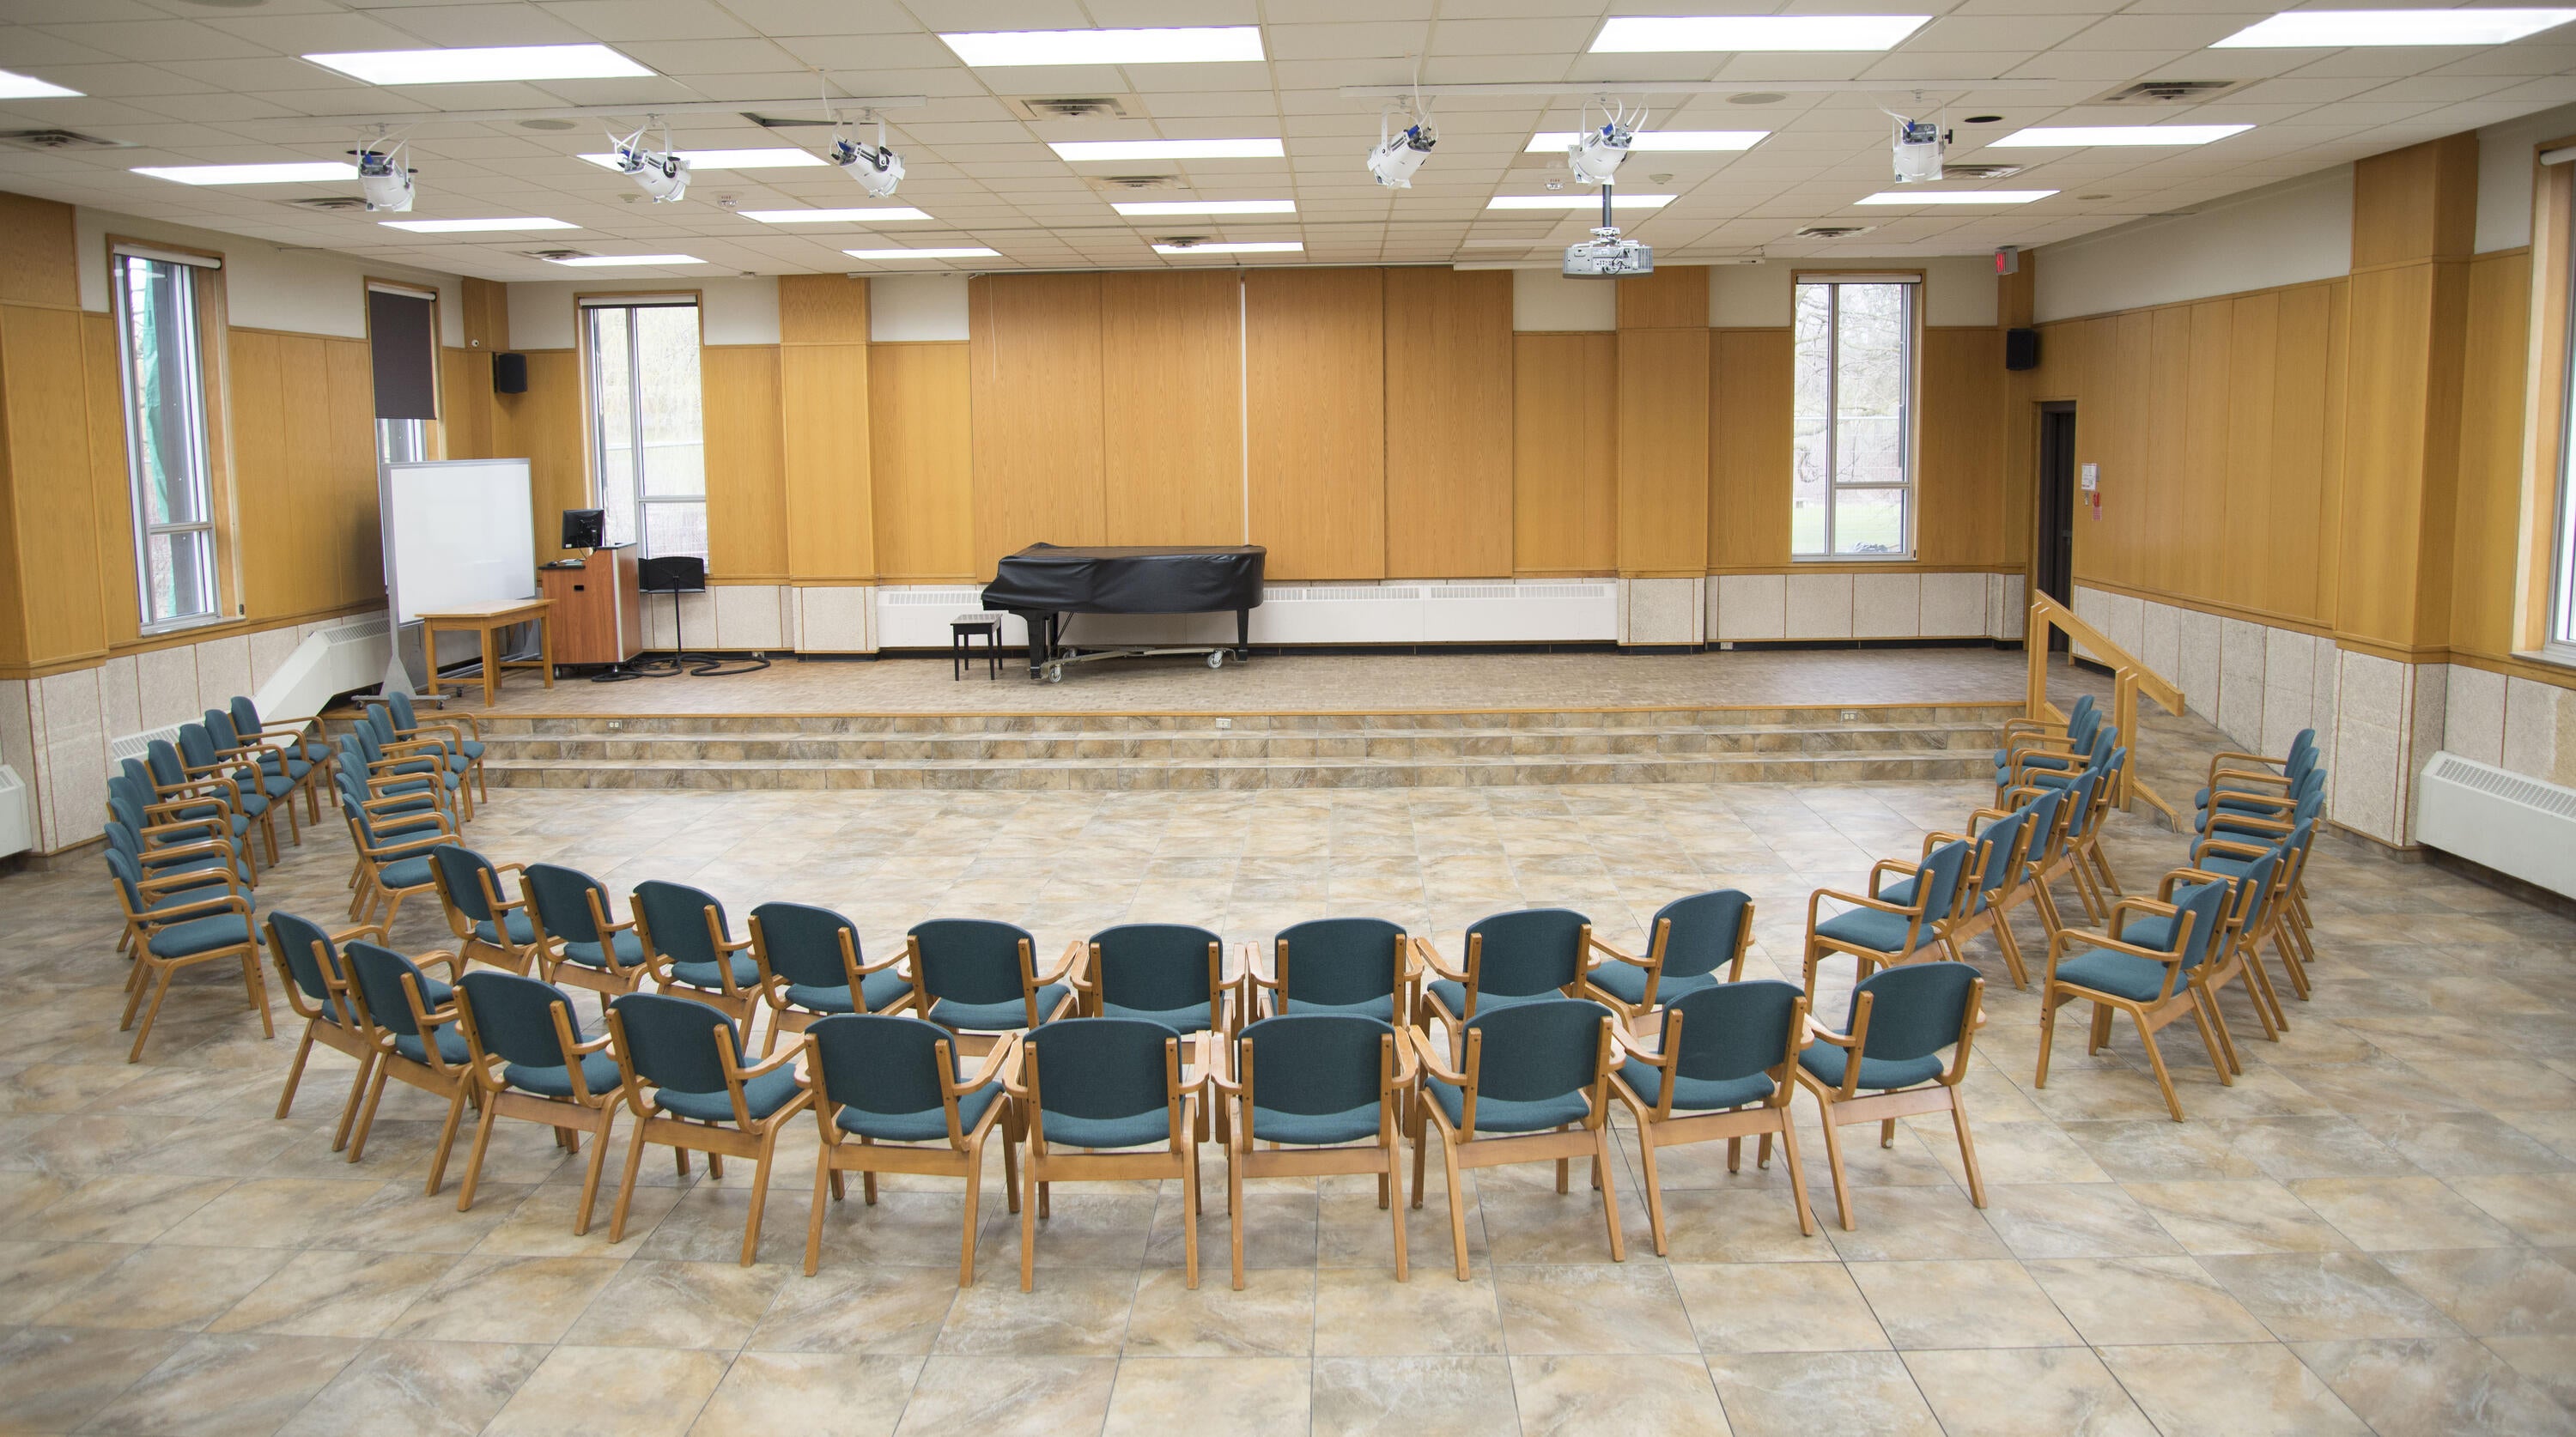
(405, 351)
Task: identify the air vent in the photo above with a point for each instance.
(2167, 92)
(556, 254)
(1977, 172)
(332, 204)
(1182, 241)
(1120, 183)
(59, 140)
(1833, 231)
(1071, 107)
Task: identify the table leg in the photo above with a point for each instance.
(546, 644)
(491, 670)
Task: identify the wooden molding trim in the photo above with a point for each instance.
(2516, 666)
(2395, 653)
(2314, 628)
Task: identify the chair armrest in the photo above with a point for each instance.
(177, 850)
(390, 850)
(228, 901)
(1430, 1065)
(775, 1061)
(1823, 1034)
(1615, 951)
(374, 930)
(1250, 978)
(1074, 953)
(440, 958)
(2230, 847)
(193, 878)
(1858, 900)
(1430, 957)
(867, 968)
(1007, 1051)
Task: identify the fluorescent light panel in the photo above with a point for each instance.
(2335, 29)
(1081, 151)
(461, 227)
(1633, 34)
(610, 261)
(1621, 200)
(14, 86)
(1207, 207)
(1246, 247)
(294, 172)
(1548, 140)
(762, 159)
(1184, 46)
(499, 62)
(2045, 135)
(876, 215)
(1955, 197)
(960, 252)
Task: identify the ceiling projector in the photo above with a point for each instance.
(1918, 150)
(1399, 153)
(1606, 256)
(877, 169)
(384, 178)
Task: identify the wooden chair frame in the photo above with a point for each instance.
(1843, 1104)
(247, 754)
(224, 775)
(413, 750)
(510, 956)
(447, 725)
(2000, 890)
(2183, 992)
(563, 972)
(1251, 1003)
(1653, 963)
(961, 1157)
(316, 756)
(1466, 1150)
(153, 971)
(1922, 929)
(2290, 902)
(371, 886)
(756, 1139)
(2253, 929)
(740, 1003)
(1397, 1070)
(337, 1027)
(786, 1017)
(1427, 959)
(583, 1112)
(188, 802)
(1045, 1167)
(451, 1081)
(156, 880)
(2049, 858)
(1657, 1127)
(974, 1042)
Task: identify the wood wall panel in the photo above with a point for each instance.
(465, 403)
(747, 528)
(545, 427)
(2416, 203)
(257, 380)
(1449, 423)
(1675, 297)
(822, 309)
(348, 508)
(1035, 382)
(1960, 441)
(110, 492)
(44, 469)
(1749, 449)
(2401, 451)
(921, 462)
(823, 406)
(2486, 550)
(1315, 375)
(1565, 454)
(1663, 449)
(38, 264)
(1172, 382)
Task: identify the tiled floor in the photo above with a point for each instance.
(2374, 1229)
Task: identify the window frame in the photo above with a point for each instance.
(593, 455)
(1914, 281)
(207, 319)
(2549, 515)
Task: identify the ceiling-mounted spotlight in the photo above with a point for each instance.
(1919, 145)
(1401, 152)
(877, 169)
(384, 177)
(661, 174)
(1595, 154)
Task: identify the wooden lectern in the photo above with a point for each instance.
(598, 610)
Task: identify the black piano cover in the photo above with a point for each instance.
(1044, 578)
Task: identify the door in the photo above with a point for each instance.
(2057, 503)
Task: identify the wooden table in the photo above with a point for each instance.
(486, 622)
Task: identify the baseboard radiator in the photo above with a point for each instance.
(17, 813)
(330, 662)
(1497, 611)
(2523, 827)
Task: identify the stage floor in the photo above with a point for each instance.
(1310, 683)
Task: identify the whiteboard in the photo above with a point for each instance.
(457, 532)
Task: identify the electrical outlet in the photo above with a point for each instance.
(1225, 723)
(1851, 716)
(617, 723)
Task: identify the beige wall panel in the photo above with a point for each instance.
(1172, 382)
(1315, 373)
(1449, 431)
(920, 441)
(823, 403)
(2193, 550)
(1663, 448)
(1034, 377)
(746, 463)
(1565, 454)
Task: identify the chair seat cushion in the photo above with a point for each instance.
(200, 935)
(878, 990)
(277, 785)
(451, 1045)
(930, 1125)
(1825, 1061)
(473, 747)
(1496, 1115)
(2122, 975)
(1351, 1125)
(1868, 928)
(995, 1017)
(761, 1097)
(1184, 1020)
(598, 1071)
(405, 873)
(515, 922)
(1627, 983)
(710, 976)
(1453, 996)
(1153, 1127)
(1695, 1094)
(1381, 1008)
(628, 948)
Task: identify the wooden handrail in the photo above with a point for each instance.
(2129, 678)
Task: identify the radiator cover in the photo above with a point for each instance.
(2521, 826)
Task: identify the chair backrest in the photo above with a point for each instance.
(133, 772)
(197, 746)
(1535, 1051)
(2257, 886)
(124, 811)
(245, 714)
(1993, 851)
(2206, 904)
(2045, 836)
(1528, 950)
(1707, 931)
(1339, 960)
(1100, 1067)
(1155, 966)
(219, 727)
(2301, 761)
(311, 959)
(558, 898)
(1936, 883)
(1735, 1030)
(673, 918)
(2304, 740)
(2105, 739)
(128, 877)
(802, 944)
(459, 872)
(380, 723)
(880, 1063)
(369, 747)
(1917, 1009)
(675, 1043)
(163, 760)
(405, 717)
(2081, 721)
(971, 960)
(121, 839)
(513, 1017)
(1313, 1064)
(376, 972)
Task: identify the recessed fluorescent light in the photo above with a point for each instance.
(1247, 247)
(874, 215)
(1623, 200)
(500, 62)
(771, 158)
(1955, 197)
(1546, 140)
(1208, 207)
(2039, 135)
(1079, 151)
(459, 227)
(961, 252)
(608, 261)
(2334, 29)
(296, 172)
(1633, 33)
(14, 86)
(1198, 45)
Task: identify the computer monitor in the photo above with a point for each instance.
(583, 528)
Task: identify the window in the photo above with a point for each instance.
(1852, 454)
(165, 440)
(648, 450)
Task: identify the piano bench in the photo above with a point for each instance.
(961, 644)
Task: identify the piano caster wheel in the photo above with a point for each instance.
(1216, 658)
(1055, 673)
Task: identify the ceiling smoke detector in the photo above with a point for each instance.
(1123, 183)
(2167, 92)
(332, 204)
(545, 124)
(1071, 107)
(1827, 232)
(50, 140)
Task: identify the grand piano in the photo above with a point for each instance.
(1045, 583)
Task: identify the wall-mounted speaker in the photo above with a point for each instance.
(2021, 349)
(509, 373)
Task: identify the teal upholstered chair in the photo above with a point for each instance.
(292, 748)
(186, 797)
(2257, 873)
(689, 1083)
(1720, 1068)
(1530, 955)
(1532, 1083)
(237, 781)
(1998, 854)
(178, 922)
(410, 1019)
(2058, 852)
(577, 945)
(1689, 940)
(1886, 1063)
(278, 778)
(316, 982)
(398, 792)
(979, 979)
(1105, 1083)
(890, 1097)
(1167, 973)
(2040, 743)
(1356, 967)
(527, 1060)
(458, 733)
(809, 967)
(181, 835)
(2232, 773)
(1891, 923)
(424, 754)
(171, 881)
(2153, 985)
(691, 949)
(2022, 772)
(1333, 1103)
(488, 927)
(393, 859)
(403, 768)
